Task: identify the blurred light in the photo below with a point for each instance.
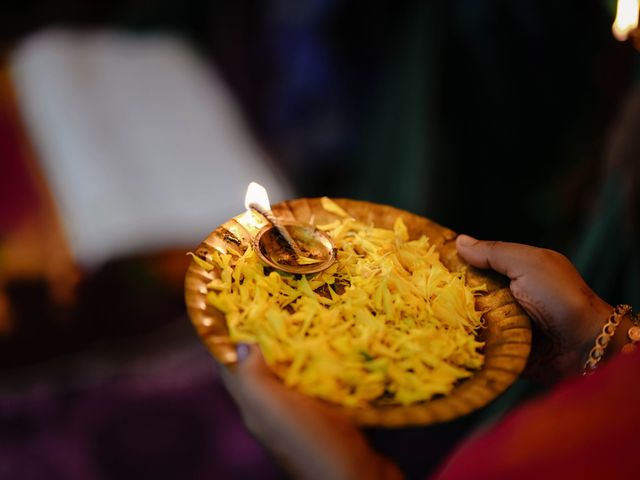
(626, 18)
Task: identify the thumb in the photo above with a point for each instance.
(249, 371)
(250, 362)
(510, 259)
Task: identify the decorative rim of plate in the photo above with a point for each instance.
(507, 334)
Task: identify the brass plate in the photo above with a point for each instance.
(507, 333)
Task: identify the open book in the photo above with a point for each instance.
(141, 143)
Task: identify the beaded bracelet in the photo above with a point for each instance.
(605, 336)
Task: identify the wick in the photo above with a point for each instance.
(271, 218)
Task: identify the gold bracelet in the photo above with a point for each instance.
(633, 334)
(602, 340)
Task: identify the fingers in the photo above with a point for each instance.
(250, 361)
(510, 259)
(249, 374)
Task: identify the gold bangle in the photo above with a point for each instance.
(605, 336)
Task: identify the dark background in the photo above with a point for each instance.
(493, 118)
(488, 116)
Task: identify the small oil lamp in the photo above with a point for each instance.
(291, 247)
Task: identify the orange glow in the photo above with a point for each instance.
(626, 18)
(257, 195)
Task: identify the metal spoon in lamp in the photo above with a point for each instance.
(312, 250)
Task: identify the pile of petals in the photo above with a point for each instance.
(387, 323)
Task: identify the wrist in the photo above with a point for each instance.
(386, 470)
(366, 464)
(611, 339)
(595, 319)
(621, 337)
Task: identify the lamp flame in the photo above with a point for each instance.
(257, 195)
(626, 19)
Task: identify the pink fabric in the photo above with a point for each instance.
(587, 427)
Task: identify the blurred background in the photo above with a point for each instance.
(129, 129)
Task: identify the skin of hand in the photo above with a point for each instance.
(567, 314)
(307, 438)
